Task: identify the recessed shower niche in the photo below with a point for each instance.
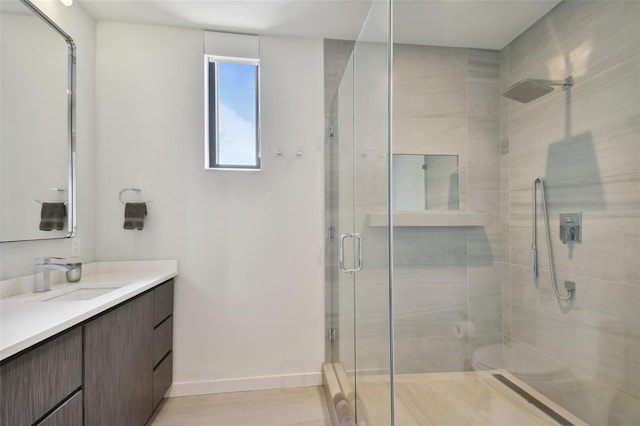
(425, 182)
(426, 192)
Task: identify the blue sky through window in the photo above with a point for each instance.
(237, 115)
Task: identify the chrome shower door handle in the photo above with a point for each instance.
(358, 268)
(341, 253)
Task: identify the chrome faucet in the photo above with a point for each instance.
(43, 268)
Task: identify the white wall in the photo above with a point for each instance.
(17, 258)
(249, 298)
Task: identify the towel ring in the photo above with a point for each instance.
(40, 202)
(130, 189)
(57, 190)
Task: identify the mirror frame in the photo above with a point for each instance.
(71, 123)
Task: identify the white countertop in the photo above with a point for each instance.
(25, 319)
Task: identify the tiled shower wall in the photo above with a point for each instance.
(586, 144)
(447, 279)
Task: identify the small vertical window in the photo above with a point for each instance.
(232, 113)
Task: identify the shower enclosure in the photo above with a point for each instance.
(435, 316)
(358, 160)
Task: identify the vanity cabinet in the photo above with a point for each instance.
(128, 359)
(43, 384)
(113, 369)
(162, 341)
(118, 362)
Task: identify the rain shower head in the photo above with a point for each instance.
(528, 89)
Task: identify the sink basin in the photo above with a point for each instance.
(83, 292)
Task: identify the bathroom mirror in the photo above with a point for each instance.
(425, 182)
(37, 146)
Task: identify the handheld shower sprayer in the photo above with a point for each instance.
(534, 250)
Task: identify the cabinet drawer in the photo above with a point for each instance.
(35, 382)
(163, 302)
(162, 377)
(68, 414)
(162, 340)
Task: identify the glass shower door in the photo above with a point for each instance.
(363, 231)
(374, 387)
(343, 173)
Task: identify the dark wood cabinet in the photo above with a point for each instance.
(163, 302)
(162, 374)
(128, 359)
(118, 365)
(68, 414)
(35, 382)
(162, 341)
(114, 369)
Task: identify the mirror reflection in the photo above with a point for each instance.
(35, 139)
(425, 182)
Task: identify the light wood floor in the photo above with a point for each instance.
(443, 399)
(278, 407)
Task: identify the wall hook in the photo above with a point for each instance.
(279, 153)
(299, 153)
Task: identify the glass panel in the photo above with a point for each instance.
(371, 108)
(345, 224)
(583, 354)
(358, 171)
(467, 301)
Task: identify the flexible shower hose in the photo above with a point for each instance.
(533, 243)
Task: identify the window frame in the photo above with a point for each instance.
(210, 142)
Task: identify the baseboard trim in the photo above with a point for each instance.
(244, 384)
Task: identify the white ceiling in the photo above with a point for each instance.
(489, 24)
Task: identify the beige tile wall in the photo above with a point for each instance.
(447, 280)
(586, 144)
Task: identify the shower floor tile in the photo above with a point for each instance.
(455, 399)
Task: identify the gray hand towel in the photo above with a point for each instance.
(134, 214)
(52, 216)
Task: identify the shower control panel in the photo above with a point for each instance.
(570, 227)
